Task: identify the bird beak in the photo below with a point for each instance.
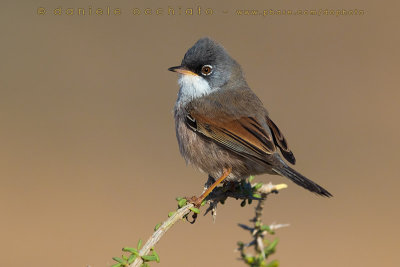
(182, 70)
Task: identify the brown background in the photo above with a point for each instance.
(89, 161)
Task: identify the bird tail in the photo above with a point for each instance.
(301, 180)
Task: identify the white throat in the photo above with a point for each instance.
(191, 87)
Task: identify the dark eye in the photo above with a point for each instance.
(206, 70)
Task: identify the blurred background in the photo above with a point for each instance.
(89, 161)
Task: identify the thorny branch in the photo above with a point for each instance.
(237, 190)
(258, 233)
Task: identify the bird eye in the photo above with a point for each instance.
(206, 70)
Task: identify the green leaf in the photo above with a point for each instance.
(203, 202)
(155, 254)
(182, 202)
(249, 259)
(150, 258)
(131, 250)
(251, 178)
(171, 213)
(121, 261)
(273, 263)
(258, 186)
(157, 226)
(256, 195)
(195, 210)
(132, 258)
(271, 247)
(117, 265)
(260, 258)
(179, 198)
(265, 228)
(139, 244)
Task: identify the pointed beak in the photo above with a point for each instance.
(182, 70)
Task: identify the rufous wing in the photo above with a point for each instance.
(245, 136)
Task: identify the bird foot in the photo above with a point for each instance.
(196, 201)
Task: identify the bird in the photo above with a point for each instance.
(221, 125)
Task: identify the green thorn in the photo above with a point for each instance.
(203, 202)
(251, 178)
(195, 210)
(139, 244)
(117, 265)
(171, 213)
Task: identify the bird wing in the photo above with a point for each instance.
(240, 124)
(245, 135)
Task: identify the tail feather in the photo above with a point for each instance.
(302, 180)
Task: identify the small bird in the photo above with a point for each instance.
(222, 127)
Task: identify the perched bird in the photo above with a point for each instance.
(222, 127)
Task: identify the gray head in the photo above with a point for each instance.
(206, 67)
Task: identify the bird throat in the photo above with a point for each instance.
(192, 87)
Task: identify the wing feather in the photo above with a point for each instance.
(244, 136)
(280, 141)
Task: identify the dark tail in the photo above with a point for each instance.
(301, 180)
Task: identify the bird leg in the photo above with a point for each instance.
(197, 200)
(209, 182)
